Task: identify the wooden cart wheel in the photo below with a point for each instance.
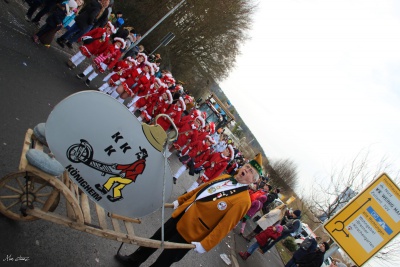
(13, 194)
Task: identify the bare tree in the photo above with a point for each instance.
(208, 35)
(286, 170)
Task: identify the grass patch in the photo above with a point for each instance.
(285, 254)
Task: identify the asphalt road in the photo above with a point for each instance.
(33, 79)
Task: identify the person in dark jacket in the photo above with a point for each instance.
(53, 24)
(83, 23)
(313, 258)
(272, 195)
(103, 19)
(48, 5)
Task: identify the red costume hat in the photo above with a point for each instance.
(188, 98)
(231, 151)
(150, 65)
(201, 120)
(155, 67)
(196, 112)
(183, 106)
(111, 27)
(130, 59)
(142, 55)
(212, 127)
(121, 41)
(170, 98)
(210, 139)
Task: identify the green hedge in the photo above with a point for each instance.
(290, 244)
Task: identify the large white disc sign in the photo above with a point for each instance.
(105, 151)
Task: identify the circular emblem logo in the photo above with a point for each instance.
(221, 205)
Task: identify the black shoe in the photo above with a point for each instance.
(80, 75)
(60, 42)
(126, 261)
(71, 65)
(101, 188)
(174, 180)
(113, 199)
(69, 45)
(87, 82)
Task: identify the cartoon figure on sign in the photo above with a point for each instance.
(128, 174)
(122, 174)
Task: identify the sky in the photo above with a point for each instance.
(318, 82)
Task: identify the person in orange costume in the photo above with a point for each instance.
(202, 217)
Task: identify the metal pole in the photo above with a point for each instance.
(165, 41)
(155, 25)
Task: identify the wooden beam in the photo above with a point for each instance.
(110, 234)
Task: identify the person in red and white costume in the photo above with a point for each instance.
(141, 58)
(188, 132)
(142, 89)
(174, 111)
(105, 61)
(101, 41)
(135, 81)
(148, 101)
(214, 166)
(121, 67)
(209, 129)
(162, 104)
(197, 151)
(137, 63)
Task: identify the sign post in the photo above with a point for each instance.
(369, 221)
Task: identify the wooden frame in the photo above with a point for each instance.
(78, 208)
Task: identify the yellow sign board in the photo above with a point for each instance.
(290, 200)
(369, 221)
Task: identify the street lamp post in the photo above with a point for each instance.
(155, 25)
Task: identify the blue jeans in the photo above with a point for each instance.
(253, 247)
(74, 33)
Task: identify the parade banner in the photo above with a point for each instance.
(116, 160)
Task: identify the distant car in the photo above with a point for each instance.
(305, 232)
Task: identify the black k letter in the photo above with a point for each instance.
(110, 150)
(125, 147)
(117, 136)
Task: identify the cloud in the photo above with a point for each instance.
(319, 80)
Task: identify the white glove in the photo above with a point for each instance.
(176, 204)
(199, 248)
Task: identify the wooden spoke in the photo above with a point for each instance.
(19, 183)
(13, 189)
(13, 204)
(40, 188)
(43, 194)
(40, 200)
(10, 197)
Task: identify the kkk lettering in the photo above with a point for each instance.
(124, 147)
